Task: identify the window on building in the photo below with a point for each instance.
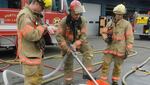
(56, 5)
(10, 4)
(143, 11)
(109, 10)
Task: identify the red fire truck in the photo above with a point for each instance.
(9, 10)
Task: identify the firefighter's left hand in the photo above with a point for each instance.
(77, 44)
(51, 30)
(104, 30)
(129, 51)
(108, 40)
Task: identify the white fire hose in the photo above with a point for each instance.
(6, 82)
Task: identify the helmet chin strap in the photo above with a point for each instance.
(35, 12)
(38, 14)
(71, 14)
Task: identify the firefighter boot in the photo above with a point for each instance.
(85, 76)
(115, 83)
(68, 82)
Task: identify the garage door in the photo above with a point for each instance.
(92, 14)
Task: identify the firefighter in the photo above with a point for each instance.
(30, 33)
(119, 37)
(72, 30)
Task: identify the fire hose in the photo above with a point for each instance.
(8, 71)
(57, 56)
(46, 76)
(16, 62)
(62, 74)
(22, 76)
(51, 79)
(1, 61)
(97, 51)
(138, 68)
(133, 71)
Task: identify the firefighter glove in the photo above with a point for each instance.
(128, 52)
(108, 40)
(77, 44)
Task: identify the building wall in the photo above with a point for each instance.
(108, 5)
(92, 15)
(96, 8)
(137, 5)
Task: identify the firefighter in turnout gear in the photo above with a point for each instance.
(30, 33)
(72, 30)
(119, 37)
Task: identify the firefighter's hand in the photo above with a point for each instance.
(77, 44)
(129, 49)
(51, 30)
(103, 30)
(64, 47)
(45, 26)
(128, 52)
(108, 41)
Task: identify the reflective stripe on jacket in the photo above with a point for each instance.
(64, 32)
(122, 38)
(28, 35)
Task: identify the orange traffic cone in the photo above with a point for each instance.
(100, 82)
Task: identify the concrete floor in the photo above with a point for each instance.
(137, 78)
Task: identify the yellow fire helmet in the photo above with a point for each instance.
(46, 3)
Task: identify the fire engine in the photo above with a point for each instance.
(142, 26)
(8, 13)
